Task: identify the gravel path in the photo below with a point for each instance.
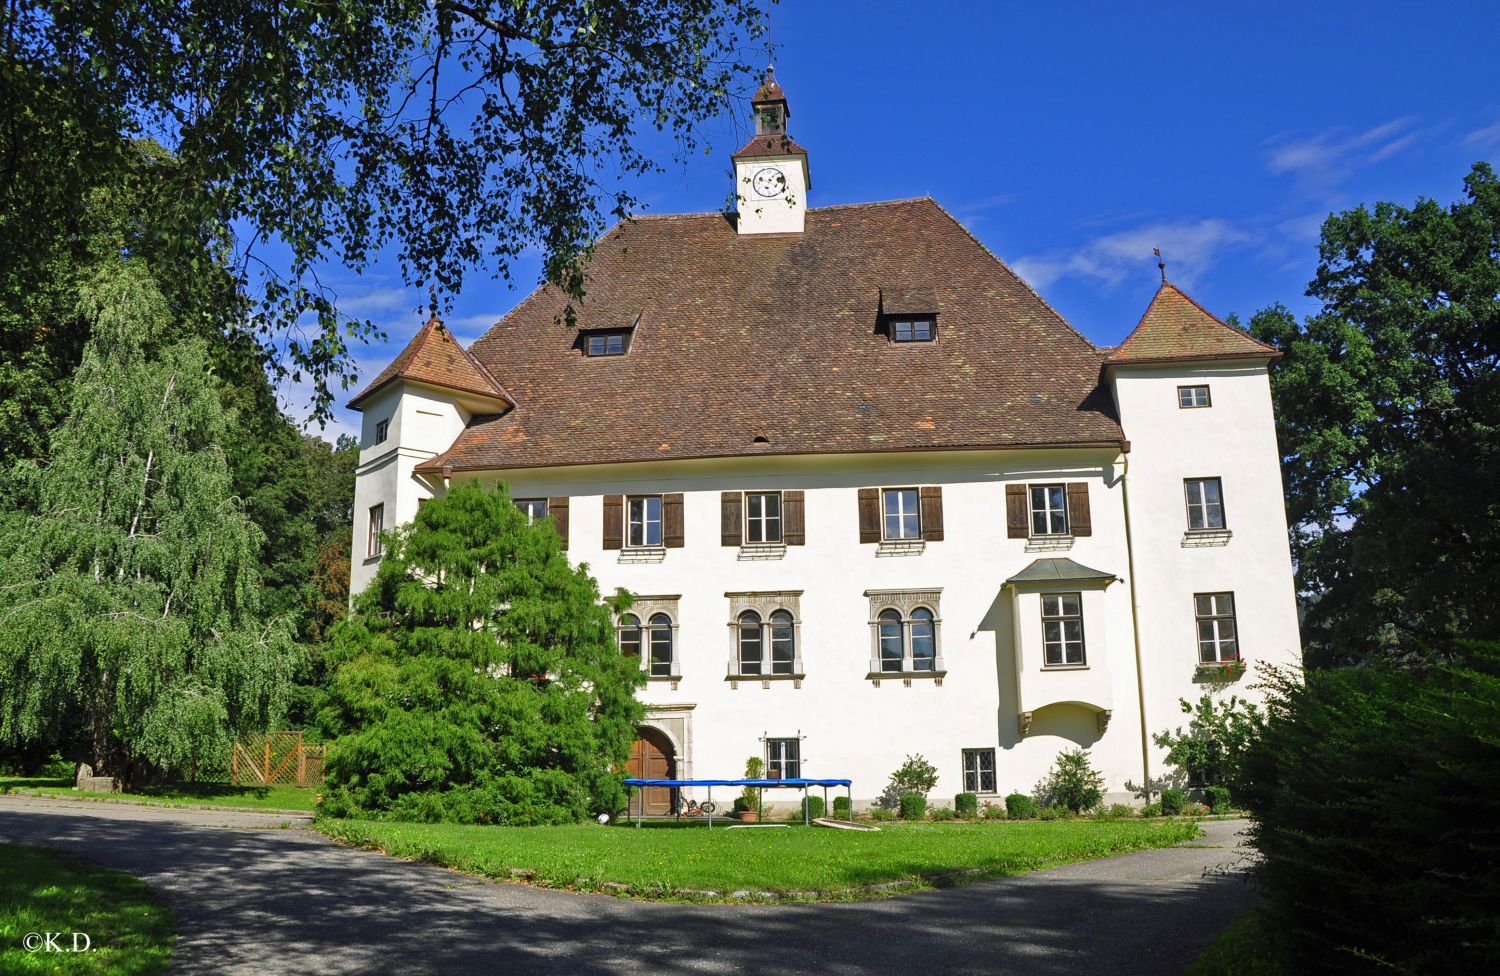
(260, 893)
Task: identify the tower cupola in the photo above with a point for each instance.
(770, 171)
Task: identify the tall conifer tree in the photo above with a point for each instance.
(129, 618)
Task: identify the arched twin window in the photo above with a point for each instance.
(655, 639)
(911, 638)
(776, 633)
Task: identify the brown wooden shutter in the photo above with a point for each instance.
(932, 512)
(731, 518)
(1080, 522)
(793, 521)
(672, 535)
(557, 510)
(869, 515)
(614, 521)
(1017, 514)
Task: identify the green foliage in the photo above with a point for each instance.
(841, 808)
(915, 776)
(1217, 798)
(1209, 751)
(1387, 406)
(1172, 801)
(1019, 806)
(882, 814)
(1249, 947)
(478, 679)
(455, 135)
(1151, 810)
(1374, 794)
(129, 930)
(1115, 811)
(1072, 783)
(966, 805)
(755, 768)
(812, 807)
(942, 813)
(913, 806)
(1053, 811)
(989, 810)
(130, 598)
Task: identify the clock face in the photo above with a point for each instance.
(769, 182)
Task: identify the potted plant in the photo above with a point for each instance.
(745, 806)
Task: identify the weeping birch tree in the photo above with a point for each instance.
(129, 623)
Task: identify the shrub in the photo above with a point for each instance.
(741, 805)
(755, 768)
(1053, 812)
(943, 813)
(882, 813)
(992, 811)
(1209, 751)
(1072, 783)
(812, 807)
(966, 805)
(1375, 793)
(913, 807)
(1172, 801)
(1115, 811)
(1217, 797)
(1151, 810)
(841, 808)
(915, 777)
(1019, 806)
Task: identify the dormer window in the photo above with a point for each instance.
(914, 329)
(614, 342)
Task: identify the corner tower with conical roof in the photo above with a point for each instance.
(1203, 496)
(771, 178)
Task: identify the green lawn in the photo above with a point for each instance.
(667, 861)
(1246, 948)
(177, 794)
(129, 931)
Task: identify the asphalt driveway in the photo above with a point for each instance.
(260, 893)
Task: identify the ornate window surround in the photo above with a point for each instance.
(904, 602)
(765, 603)
(644, 608)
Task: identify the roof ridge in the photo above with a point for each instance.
(1011, 271)
(1245, 333)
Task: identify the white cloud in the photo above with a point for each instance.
(1332, 154)
(1484, 138)
(1189, 247)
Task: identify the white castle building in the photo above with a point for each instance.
(873, 495)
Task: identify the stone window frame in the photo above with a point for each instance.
(644, 608)
(765, 603)
(904, 602)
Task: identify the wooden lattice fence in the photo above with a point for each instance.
(276, 759)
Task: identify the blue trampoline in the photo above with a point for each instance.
(758, 784)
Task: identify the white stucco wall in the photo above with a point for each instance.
(1235, 441)
(772, 215)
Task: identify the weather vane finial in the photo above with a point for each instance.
(1161, 264)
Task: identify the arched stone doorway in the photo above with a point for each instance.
(653, 757)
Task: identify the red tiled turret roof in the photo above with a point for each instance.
(1177, 329)
(435, 357)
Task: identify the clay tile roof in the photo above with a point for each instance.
(909, 301)
(769, 90)
(1175, 328)
(778, 337)
(769, 145)
(434, 357)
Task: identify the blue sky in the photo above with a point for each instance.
(1073, 137)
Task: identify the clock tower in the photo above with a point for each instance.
(770, 172)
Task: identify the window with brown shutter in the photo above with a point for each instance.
(932, 513)
(673, 536)
(614, 521)
(557, 509)
(1079, 520)
(1017, 514)
(869, 515)
(794, 530)
(731, 529)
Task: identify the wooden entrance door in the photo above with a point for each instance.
(653, 758)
